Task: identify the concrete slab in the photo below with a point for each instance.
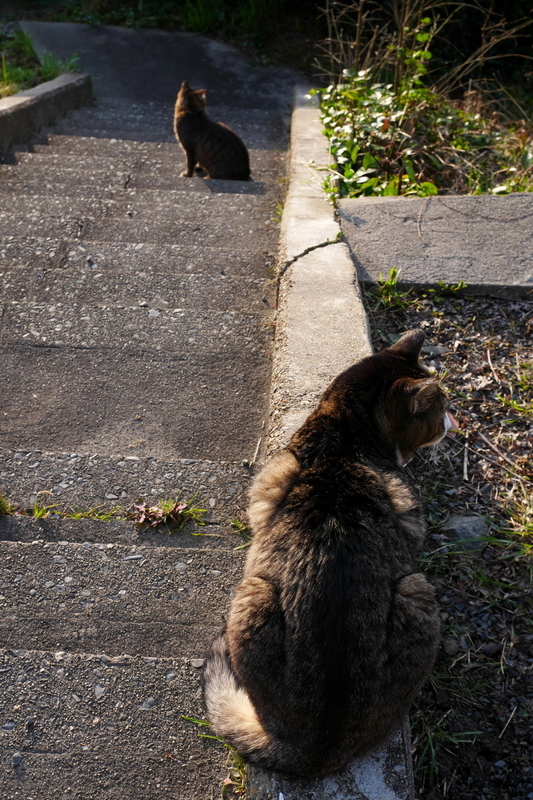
(151, 259)
(197, 399)
(136, 73)
(90, 726)
(485, 241)
(76, 480)
(113, 598)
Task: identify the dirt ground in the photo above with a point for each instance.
(472, 733)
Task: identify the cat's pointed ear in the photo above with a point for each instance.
(185, 85)
(202, 93)
(410, 345)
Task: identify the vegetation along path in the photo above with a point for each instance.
(135, 336)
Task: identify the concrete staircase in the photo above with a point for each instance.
(135, 337)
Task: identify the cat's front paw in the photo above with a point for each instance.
(185, 174)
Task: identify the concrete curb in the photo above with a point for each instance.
(22, 115)
(321, 329)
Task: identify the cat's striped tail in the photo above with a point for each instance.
(229, 709)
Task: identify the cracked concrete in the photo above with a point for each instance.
(321, 325)
(321, 329)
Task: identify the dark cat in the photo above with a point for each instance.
(212, 145)
(332, 631)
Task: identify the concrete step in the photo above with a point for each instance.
(147, 261)
(88, 726)
(41, 181)
(105, 169)
(121, 221)
(259, 129)
(57, 528)
(105, 286)
(187, 384)
(78, 480)
(133, 329)
(91, 597)
(156, 223)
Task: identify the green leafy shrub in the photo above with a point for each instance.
(392, 134)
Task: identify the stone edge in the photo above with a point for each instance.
(321, 325)
(23, 115)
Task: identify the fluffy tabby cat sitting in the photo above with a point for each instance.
(332, 630)
(211, 145)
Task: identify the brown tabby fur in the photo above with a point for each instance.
(332, 631)
(211, 145)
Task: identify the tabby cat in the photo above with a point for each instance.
(211, 145)
(332, 630)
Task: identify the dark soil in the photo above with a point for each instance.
(472, 734)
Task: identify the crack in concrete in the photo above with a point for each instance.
(285, 267)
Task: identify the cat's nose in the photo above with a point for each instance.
(451, 425)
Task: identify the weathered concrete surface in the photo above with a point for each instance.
(83, 481)
(149, 64)
(24, 114)
(88, 726)
(383, 774)
(486, 241)
(136, 328)
(321, 330)
(321, 325)
(105, 597)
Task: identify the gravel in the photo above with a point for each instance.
(471, 723)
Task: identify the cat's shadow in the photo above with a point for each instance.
(235, 187)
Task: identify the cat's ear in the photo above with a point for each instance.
(202, 93)
(185, 85)
(415, 396)
(410, 345)
(423, 395)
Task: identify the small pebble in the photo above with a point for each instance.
(197, 662)
(99, 691)
(147, 704)
(16, 760)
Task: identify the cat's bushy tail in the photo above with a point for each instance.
(229, 708)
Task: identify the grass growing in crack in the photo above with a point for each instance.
(244, 530)
(174, 513)
(236, 780)
(96, 512)
(6, 509)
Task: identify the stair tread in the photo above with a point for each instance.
(88, 479)
(114, 598)
(49, 253)
(132, 741)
